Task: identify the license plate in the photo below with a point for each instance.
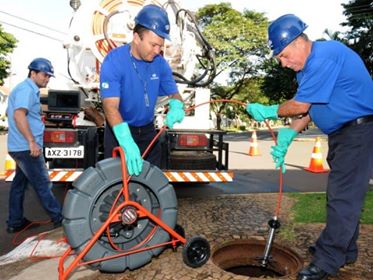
(66, 152)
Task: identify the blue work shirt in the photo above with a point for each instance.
(337, 84)
(25, 95)
(137, 83)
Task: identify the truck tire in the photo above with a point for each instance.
(87, 207)
(191, 160)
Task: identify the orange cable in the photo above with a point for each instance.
(41, 235)
(15, 242)
(279, 199)
(280, 193)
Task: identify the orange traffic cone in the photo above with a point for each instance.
(10, 164)
(254, 150)
(9, 167)
(316, 159)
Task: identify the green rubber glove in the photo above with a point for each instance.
(176, 113)
(133, 157)
(261, 112)
(284, 138)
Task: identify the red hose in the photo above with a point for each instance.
(280, 193)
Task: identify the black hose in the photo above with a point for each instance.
(208, 53)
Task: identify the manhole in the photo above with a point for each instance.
(243, 257)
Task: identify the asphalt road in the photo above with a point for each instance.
(252, 175)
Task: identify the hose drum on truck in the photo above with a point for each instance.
(88, 205)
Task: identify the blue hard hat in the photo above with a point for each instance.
(42, 65)
(154, 18)
(283, 31)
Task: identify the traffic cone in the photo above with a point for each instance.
(316, 159)
(254, 150)
(10, 164)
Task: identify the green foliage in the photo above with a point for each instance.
(287, 231)
(334, 35)
(7, 45)
(252, 91)
(240, 44)
(239, 40)
(367, 212)
(242, 127)
(280, 83)
(311, 208)
(359, 14)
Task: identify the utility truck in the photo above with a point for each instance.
(111, 223)
(191, 152)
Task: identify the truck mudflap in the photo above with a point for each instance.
(190, 176)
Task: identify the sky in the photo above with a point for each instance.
(56, 15)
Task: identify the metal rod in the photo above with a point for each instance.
(273, 224)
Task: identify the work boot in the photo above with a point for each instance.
(57, 224)
(312, 272)
(26, 224)
(312, 249)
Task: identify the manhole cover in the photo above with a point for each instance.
(243, 257)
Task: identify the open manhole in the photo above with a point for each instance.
(243, 257)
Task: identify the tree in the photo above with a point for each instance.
(239, 41)
(279, 83)
(359, 15)
(334, 35)
(7, 44)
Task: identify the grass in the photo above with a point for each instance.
(311, 208)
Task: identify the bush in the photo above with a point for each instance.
(242, 127)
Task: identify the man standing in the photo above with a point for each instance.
(132, 77)
(25, 142)
(335, 92)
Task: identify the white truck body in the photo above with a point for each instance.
(97, 27)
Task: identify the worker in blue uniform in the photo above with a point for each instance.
(25, 146)
(131, 79)
(336, 92)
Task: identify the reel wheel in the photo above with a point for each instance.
(88, 205)
(196, 252)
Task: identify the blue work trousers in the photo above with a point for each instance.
(350, 158)
(31, 170)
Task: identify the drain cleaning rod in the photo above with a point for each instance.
(273, 224)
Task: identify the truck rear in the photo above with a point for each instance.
(191, 152)
(73, 143)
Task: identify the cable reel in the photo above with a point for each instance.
(98, 28)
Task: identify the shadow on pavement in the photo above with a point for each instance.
(33, 211)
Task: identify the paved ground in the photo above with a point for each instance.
(252, 175)
(219, 219)
(220, 216)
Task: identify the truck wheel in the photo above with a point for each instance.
(87, 207)
(191, 160)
